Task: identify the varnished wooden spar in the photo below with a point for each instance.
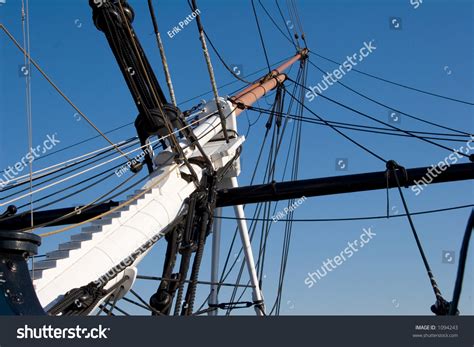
(252, 93)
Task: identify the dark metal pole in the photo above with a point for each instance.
(339, 185)
(22, 221)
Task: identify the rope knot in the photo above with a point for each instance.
(442, 307)
(392, 167)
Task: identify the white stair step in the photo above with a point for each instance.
(92, 229)
(58, 254)
(81, 237)
(45, 264)
(107, 219)
(134, 200)
(70, 245)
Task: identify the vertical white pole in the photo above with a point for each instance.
(247, 247)
(216, 245)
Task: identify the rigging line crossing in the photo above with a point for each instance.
(365, 73)
(269, 175)
(343, 134)
(290, 37)
(129, 201)
(84, 141)
(266, 226)
(224, 275)
(276, 25)
(351, 219)
(289, 225)
(258, 210)
(131, 123)
(261, 36)
(398, 84)
(65, 188)
(48, 79)
(126, 203)
(135, 294)
(87, 206)
(294, 148)
(167, 122)
(155, 278)
(65, 164)
(223, 61)
(61, 173)
(298, 20)
(292, 20)
(83, 209)
(72, 186)
(364, 128)
(384, 123)
(388, 107)
(271, 156)
(94, 167)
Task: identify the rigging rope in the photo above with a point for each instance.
(388, 107)
(98, 165)
(441, 307)
(268, 176)
(384, 123)
(262, 41)
(126, 203)
(398, 84)
(276, 25)
(131, 123)
(365, 128)
(162, 52)
(223, 61)
(25, 18)
(351, 219)
(174, 142)
(359, 71)
(210, 69)
(48, 79)
(341, 133)
(86, 158)
(129, 201)
(453, 310)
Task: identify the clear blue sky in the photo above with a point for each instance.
(432, 51)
